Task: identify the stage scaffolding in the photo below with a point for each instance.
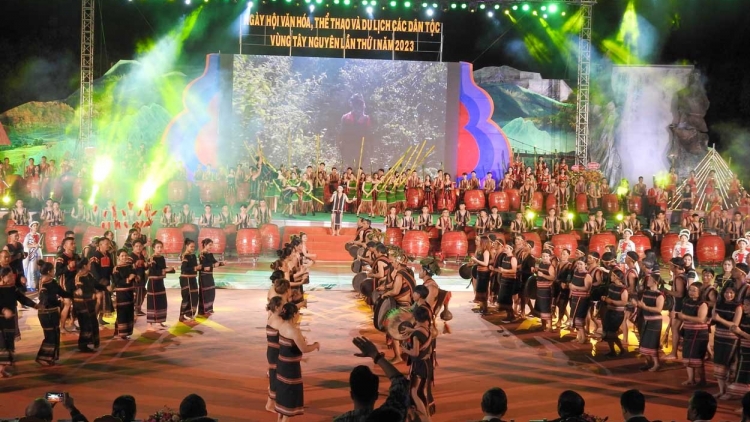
(86, 102)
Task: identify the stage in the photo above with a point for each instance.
(223, 359)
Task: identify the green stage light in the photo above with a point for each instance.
(497, 7)
(407, 4)
(544, 16)
(364, 2)
(318, 1)
(373, 3)
(481, 6)
(336, 1)
(534, 13)
(424, 4)
(453, 5)
(525, 7)
(515, 7)
(307, 1)
(434, 5)
(347, 2)
(563, 13)
(393, 3)
(507, 12)
(463, 5)
(552, 8)
(544, 8)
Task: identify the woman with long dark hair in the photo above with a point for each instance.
(207, 286)
(188, 283)
(84, 305)
(695, 338)
(482, 261)
(726, 314)
(50, 293)
(156, 295)
(274, 308)
(651, 306)
(292, 344)
(580, 287)
(124, 279)
(616, 299)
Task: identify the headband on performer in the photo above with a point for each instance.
(627, 231)
(685, 233)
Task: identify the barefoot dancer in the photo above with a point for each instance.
(156, 295)
(651, 305)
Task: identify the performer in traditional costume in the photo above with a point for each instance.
(421, 363)
(482, 261)
(546, 274)
(65, 271)
(101, 267)
(462, 217)
(444, 223)
(551, 224)
(139, 260)
(262, 214)
(33, 248)
(338, 200)
(580, 286)
(188, 283)
(9, 296)
(274, 307)
(651, 306)
(726, 314)
(616, 299)
(695, 340)
(425, 219)
(48, 313)
(292, 344)
(319, 186)
(392, 220)
(207, 287)
(124, 279)
(156, 295)
(678, 291)
(408, 223)
(366, 204)
(84, 304)
(208, 219)
(19, 215)
(168, 218)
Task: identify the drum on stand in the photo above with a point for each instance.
(356, 266)
(357, 281)
(397, 321)
(382, 307)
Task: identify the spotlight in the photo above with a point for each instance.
(430, 12)
(187, 2)
(463, 5)
(490, 14)
(346, 2)
(434, 5)
(393, 3)
(481, 6)
(619, 217)
(515, 7)
(6, 199)
(544, 8)
(335, 1)
(552, 8)
(453, 5)
(318, 1)
(570, 215)
(525, 7)
(563, 13)
(507, 12)
(373, 3)
(407, 4)
(312, 8)
(530, 215)
(424, 4)
(369, 10)
(364, 2)
(534, 13)
(497, 7)
(249, 4)
(544, 16)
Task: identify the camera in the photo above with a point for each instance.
(55, 397)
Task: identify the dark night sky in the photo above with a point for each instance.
(40, 43)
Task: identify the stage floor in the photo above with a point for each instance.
(223, 359)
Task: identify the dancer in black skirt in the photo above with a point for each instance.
(124, 279)
(84, 305)
(9, 296)
(49, 314)
(188, 283)
(741, 384)
(274, 307)
(580, 287)
(139, 258)
(420, 361)
(482, 261)
(290, 399)
(545, 275)
(694, 317)
(616, 299)
(651, 306)
(564, 272)
(207, 287)
(156, 295)
(507, 274)
(726, 314)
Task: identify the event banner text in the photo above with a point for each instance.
(352, 33)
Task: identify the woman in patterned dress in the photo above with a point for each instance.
(274, 307)
(726, 314)
(289, 388)
(616, 299)
(695, 338)
(741, 384)
(651, 305)
(156, 295)
(580, 287)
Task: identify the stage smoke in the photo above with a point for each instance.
(734, 139)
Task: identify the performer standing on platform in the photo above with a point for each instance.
(339, 201)
(124, 279)
(660, 228)
(292, 344)
(156, 295)
(188, 283)
(207, 291)
(49, 314)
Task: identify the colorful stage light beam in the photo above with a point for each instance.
(525, 7)
(552, 8)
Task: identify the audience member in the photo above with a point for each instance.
(494, 404)
(363, 385)
(701, 407)
(633, 404)
(746, 407)
(41, 409)
(193, 409)
(570, 406)
(124, 408)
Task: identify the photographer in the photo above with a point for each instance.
(41, 408)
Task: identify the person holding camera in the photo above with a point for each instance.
(41, 408)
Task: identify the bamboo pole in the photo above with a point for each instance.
(359, 166)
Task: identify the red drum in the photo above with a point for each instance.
(433, 232)
(53, 238)
(416, 243)
(414, 198)
(711, 249)
(248, 242)
(474, 200)
(599, 241)
(243, 192)
(217, 235)
(537, 199)
(189, 231)
(90, 233)
(577, 234)
(499, 200)
(270, 237)
(667, 246)
(230, 231)
(471, 233)
(80, 228)
(171, 238)
(564, 241)
(642, 243)
(536, 252)
(635, 204)
(177, 191)
(514, 198)
(550, 202)
(582, 203)
(210, 191)
(454, 244)
(610, 204)
(393, 237)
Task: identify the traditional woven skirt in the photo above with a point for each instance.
(694, 346)
(725, 346)
(156, 301)
(543, 303)
(420, 378)
(579, 309)
(507, 286)
(272, 356)
(483, 285)
(49, 351)
(741, 384)
(290, 398)
(125, 312)
(7, 341)
(189, 292)
(650, 342)
(207, 293)
(611, 323)
(85, 309)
